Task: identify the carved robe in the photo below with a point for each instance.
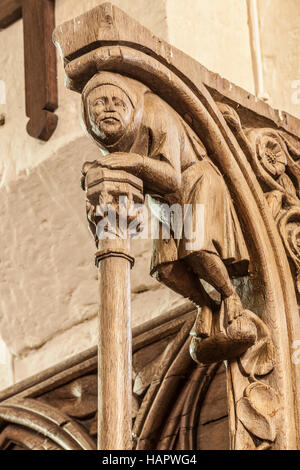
(174, 141)
(156, 131)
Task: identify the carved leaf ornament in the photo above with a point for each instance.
(257, 409)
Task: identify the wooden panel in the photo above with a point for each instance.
(214, 436)
(213, 428)
(40, 67)
(214, 406)
(10, 11)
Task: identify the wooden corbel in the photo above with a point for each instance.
(10, 11)
(40, 67)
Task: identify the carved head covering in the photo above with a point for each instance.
(135, 92)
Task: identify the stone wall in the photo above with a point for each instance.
(216, 34)
(280, 33)
(48, 283)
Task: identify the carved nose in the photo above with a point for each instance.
(109, 108)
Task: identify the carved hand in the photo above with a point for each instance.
(131, 162)
(160, 175)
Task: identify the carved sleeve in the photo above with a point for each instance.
(162, 167)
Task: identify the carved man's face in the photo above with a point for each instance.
(110, 112)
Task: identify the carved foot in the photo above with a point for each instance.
(225, 342)
(233, 308)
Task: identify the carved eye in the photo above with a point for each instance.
(119, 103)
(99, 101)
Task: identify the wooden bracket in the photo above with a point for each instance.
(40, 67)
(10, 11)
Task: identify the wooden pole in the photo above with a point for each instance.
(103, 188)
(114, 351)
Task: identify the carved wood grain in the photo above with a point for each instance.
(46, 421)
(15, 437)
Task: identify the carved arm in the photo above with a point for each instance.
(158, 175)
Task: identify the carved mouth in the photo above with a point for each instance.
(110, 119)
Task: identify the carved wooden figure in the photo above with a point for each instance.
(143, 136)
(161, 133)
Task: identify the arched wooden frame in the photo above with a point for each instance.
(34, 425)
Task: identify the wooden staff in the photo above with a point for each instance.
(115, 347)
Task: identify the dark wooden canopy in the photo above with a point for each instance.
(10, 11)
(39, 61)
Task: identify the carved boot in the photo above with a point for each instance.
(224, 335)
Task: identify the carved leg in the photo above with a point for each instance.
(211, 268)
(231, 332)
(180, 278)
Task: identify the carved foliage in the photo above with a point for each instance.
(258, 407)
(109, 196)
(274, 160)
(256, 411)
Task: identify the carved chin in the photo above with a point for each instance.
(110, 132)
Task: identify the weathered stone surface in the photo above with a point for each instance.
(18, 151)
(6, 369)
(48, 281)
(74, 340)
(152, 303)
(65, 344)
(154, 17)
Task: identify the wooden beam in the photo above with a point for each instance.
(40, 67)
(10, 11)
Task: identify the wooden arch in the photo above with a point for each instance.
(33, 425)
